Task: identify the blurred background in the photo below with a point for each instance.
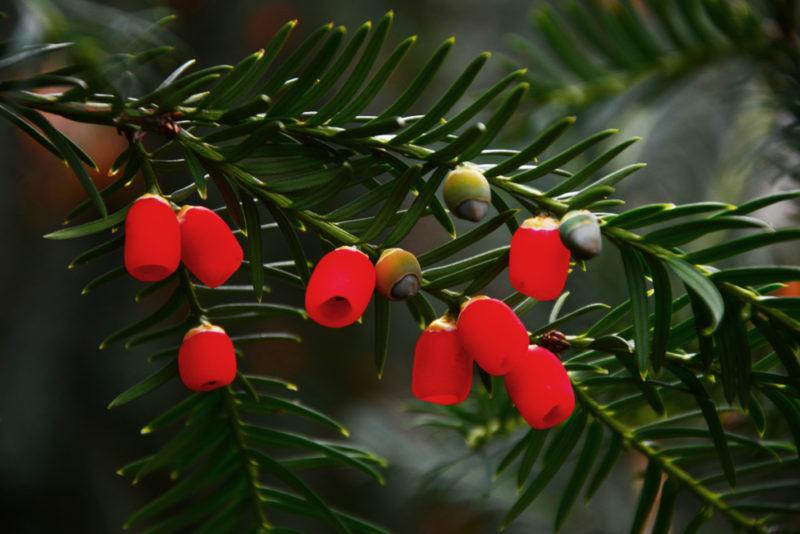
(710, 135)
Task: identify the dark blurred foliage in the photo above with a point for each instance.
(59, 446)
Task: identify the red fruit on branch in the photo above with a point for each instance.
(340, 287)
(492, 334)
(206, 359)
(539, 387)
(208, 247)
(538, 261)
(152, 239)
(442, 372)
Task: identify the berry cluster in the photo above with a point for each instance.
(487, 331)
(157, 240)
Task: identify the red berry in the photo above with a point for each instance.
(206, 359)
(538, 262)
(152, 239)
(540, 389)
(340, 287)
(442, 372)
(492, 334)
(208, 247)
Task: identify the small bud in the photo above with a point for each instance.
(538, 261)
(492, 334)
(539, 387)
(340, 287)
(467, 193)
(206, 359)
(398, 274)
(152, 239)
(442, 372)
(208, 247)
(555, 341)
(580, 232)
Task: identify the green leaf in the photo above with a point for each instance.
(514, 451)
(452, 150)
(410, 218)
(172, 304)
(268, 129)
(552, 163)
(546, 138)
(196, 170)
(552, 325)
(424, 308)
(594, 437)
(98, 251)
(734, 353)
(702, 286)
(292, 440)
(287, 103)
(109, 276)
(534, 447)
(470, 111)
(782, 344)
(496, 122)
(634, 275)
(359, 74)
(758, 275)
(662, 299)
(382, 321)
(247, 81)
(374, 86)
(669, 212)
(557, 452)
(31, 52)
(339, 182)
(270, 404)
(417, 87)
(679, 234)
(263, 309)
(650, 487)
(590, 169)
(789, 410)
(289, 233)
(613, 452)
(178, 411)
(160, 377)
(631, 217)
(279, 77)
(736, 247)
(445, 103)
(759, 203)
(73, 155)
(709, 410)
(473, 236)
(335, 72)
(254, 245)
(392, 204)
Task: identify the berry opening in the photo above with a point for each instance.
(335, 307)
(552, 416)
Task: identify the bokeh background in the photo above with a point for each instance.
(711, 135)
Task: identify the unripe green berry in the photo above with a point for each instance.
(580, 233)
(467, 193)
(398, 274)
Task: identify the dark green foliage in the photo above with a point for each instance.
(283, 138)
